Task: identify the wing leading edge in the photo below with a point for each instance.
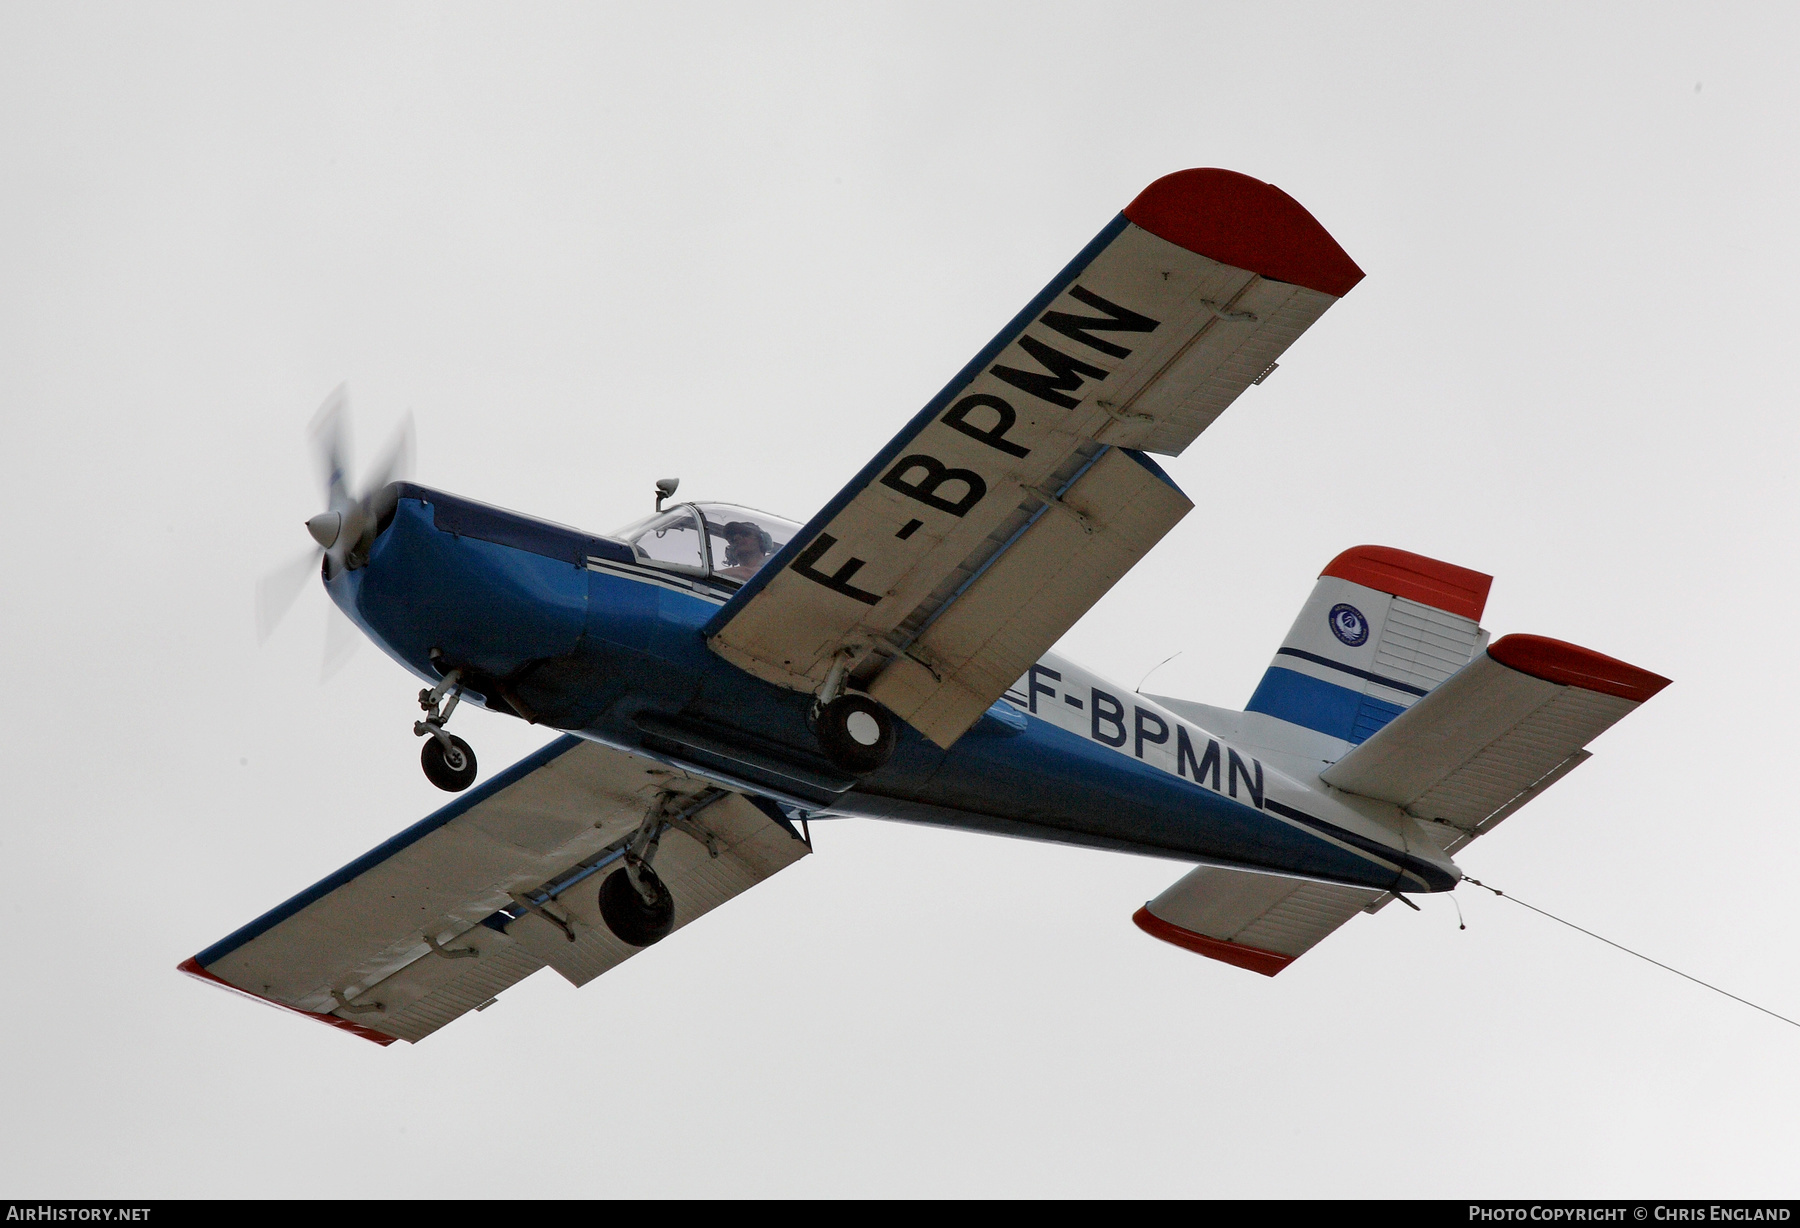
(1183, 301)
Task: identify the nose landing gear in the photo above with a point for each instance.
(451, 768)
(449, 762)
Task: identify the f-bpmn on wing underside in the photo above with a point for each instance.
(1022, 492)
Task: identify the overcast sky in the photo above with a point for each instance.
(592, 246)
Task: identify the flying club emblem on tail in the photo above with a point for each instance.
(1349, 625)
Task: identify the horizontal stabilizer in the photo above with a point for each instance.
(1494, 735)
(1262, 922)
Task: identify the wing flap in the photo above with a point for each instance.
(751, 847)
(1064, 558)
(1494, 735)
(1260, 922)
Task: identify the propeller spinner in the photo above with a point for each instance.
(345, 530)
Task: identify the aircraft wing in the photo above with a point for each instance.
(503, 881)
(1021, 493)
(1494, 735)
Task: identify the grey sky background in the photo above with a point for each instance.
(590, 246)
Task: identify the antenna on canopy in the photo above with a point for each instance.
(665, 489)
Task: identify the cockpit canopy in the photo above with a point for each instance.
(721, 541)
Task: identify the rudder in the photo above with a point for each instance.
(1382, 629)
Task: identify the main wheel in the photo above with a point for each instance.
(856, 733)
(627, 915)
(452, 770)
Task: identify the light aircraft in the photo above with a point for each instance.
(722, 676)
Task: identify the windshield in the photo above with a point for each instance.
(743, 539)
(667, 539)
(739, 540)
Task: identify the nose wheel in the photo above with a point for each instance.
(452, 767)
(449, 762)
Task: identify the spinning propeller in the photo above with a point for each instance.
(344, 531)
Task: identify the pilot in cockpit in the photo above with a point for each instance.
(747, 548)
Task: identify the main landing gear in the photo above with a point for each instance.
(854, 731)
(635, 904)
(448, 761)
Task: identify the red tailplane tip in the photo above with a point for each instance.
(1266, 962)
(1570, 665)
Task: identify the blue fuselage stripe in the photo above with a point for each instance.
(1328, 663)
(1431, 874)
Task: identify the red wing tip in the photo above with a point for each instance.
(1572, 665)
(1442, 586)
(194, 969)
(1251, 958)
(1247, 224)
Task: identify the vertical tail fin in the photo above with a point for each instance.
(1380, 631)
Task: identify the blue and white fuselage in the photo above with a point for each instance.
(582, 633)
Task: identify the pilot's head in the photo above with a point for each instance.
(746, 543)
